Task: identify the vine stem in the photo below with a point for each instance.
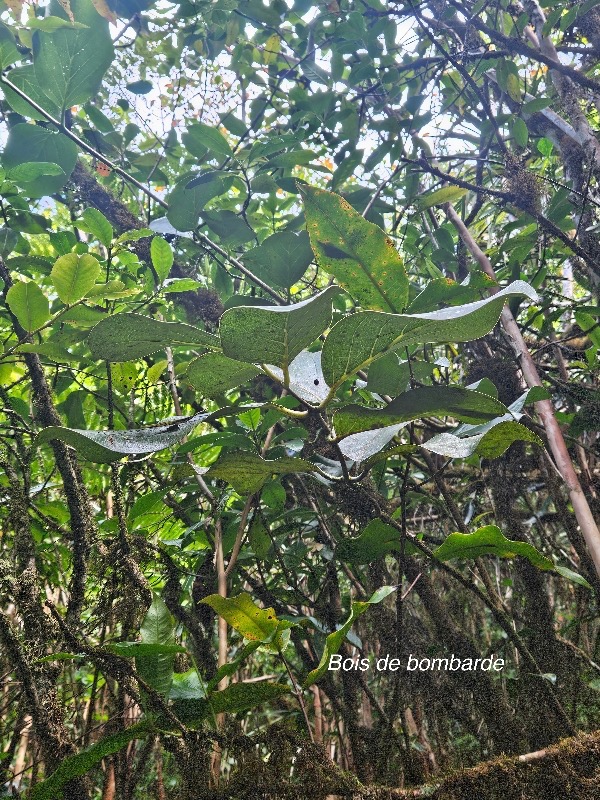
(298, 693)
(219, 559)
(544, 408)
(237, 545)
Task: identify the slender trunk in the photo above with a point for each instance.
(544, 408)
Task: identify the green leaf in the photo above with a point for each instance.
(248, 472)
(94, 222)
(139, 87)
(520, 132)
(275, 335)
(214, 374)
(107, 446)
(439, 401)
(187, 686)
(491, 444)
(124, 377)
(8, 241)
(73, 276)
(229, 227)
(489, 540)
(253, 622)
(158, 628)
(388, 375)
(135, 235)
(29, 304)
(81, 763)
(30, 171)
(24, 78)
(156, 370)
(50, 350)
(376, 540)
(447, 194)
(186, 202)
(359, 339)
(282, 259)
(442, 292)
(8, 49)
(126, 337)
(232, 667)
(335, 639)
(244, 696)
(112, 290)
(513, 87)
(259, 538)
(211, 138)
(27, 143)
(162, 257)
(570, 575)
(235, 698)
(60, 657)
(291, 159)
(397, 450)
(70, 63)
(589, 324)
(537, 104)
(51, 24)
(358, 253)
(176, 285)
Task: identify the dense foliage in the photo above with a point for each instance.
(300, 364)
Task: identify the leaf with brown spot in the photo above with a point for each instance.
(356, 252)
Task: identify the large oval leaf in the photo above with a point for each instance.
(248, 472)
(214, 374)
(29, 304)
(27, 143)
(357, 340)
(439, 401)
(190, 195)
(126, 337)
(103, 447)
(491, 444)
(158, 628)
(282, 259)
(106, 446)
(275, 335)
(376, 540)
(358, 253)
(73, 276)
(70, 62)
(490, 541)
(361, 446)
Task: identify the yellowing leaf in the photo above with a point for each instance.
(253, 622)
(272, 47)
(447, 194)
(356, 252)
(513, 87)
(104, 10)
